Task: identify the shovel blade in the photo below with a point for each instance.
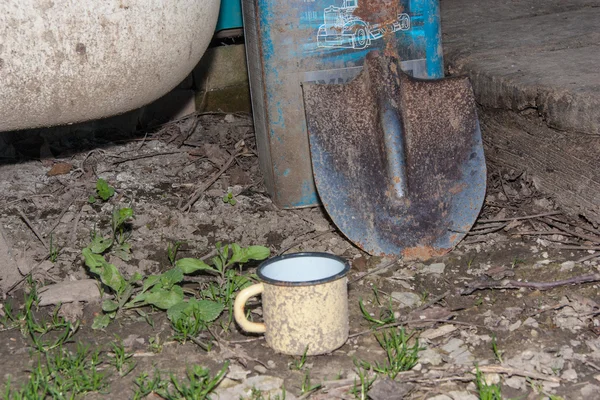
(398, 162)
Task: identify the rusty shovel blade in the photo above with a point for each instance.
(398, 162)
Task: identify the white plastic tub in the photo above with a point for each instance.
(66, 61)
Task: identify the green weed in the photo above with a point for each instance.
(61, 375)
(257, 394)
(117, 241)
(298, 363)
(229, 199)
(103, 190)
(122, 361)
(485, 391)
(198, 385)
(399, 355)
(57, 328)
(54, 250)
(188, 316)
(497, 352)
(363, 385)
(172, 250)
(307, 387)
(385, 317)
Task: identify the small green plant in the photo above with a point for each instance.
(485, 391)
(307, 387)
(122, 361)
(424, 296)
(229, 199)
(61, 375)
(57, 328)
(103, 190)
(172, 250)
(146, 386)
(385, 317)
(363, 385)
(497, 352)
(164, 291)
(400, 356)
(515, 262)
(257, 394)
(298, 363)
(54, 250)
(189, 318)
(117, 241)
(156, 345)
(198, 385)
(229, 281)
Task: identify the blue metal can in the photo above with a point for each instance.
(326, 41)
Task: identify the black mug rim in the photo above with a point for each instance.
(277, 282)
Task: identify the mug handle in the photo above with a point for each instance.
(238, 309)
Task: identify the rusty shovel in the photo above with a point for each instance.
(398, 162)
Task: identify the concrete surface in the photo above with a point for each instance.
(535, 68)
(69, 61)
(221, 79)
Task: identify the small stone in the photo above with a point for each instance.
(430, 356)
(452, 345)
(462, 395)
(407, 299)
(569, 375)
(443, 330)
(271, 364)
(237, 373)
(567, 265)
(534, 333)
(545, 254)
(229, 118)
(515, 326)
(597, 377)
(440, 397)
(491, 379)
(516, 382)
(260, 369)
(589, 390)
(527, 355)
(531, 322)
(437, 268)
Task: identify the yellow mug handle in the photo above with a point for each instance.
(238, 309)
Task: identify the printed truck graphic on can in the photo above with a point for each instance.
(341, 28)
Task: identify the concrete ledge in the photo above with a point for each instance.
(534, 69)
(221, 80)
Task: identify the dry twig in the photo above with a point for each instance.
(593, 239)
(512, 284)
(499, 369)
(30, 225)
(376, 269)
(124, 160)
(62, 214)
(487, 221)
(198, 193)
(305, 239)
(414, 321)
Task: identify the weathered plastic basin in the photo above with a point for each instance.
(67, 61)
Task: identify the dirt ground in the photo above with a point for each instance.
(482, 304)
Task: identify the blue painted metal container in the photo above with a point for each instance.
(326, 41)
(230, 15)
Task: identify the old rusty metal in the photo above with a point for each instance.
(398, 162)
(290, 42)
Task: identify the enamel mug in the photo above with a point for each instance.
(304, 302)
